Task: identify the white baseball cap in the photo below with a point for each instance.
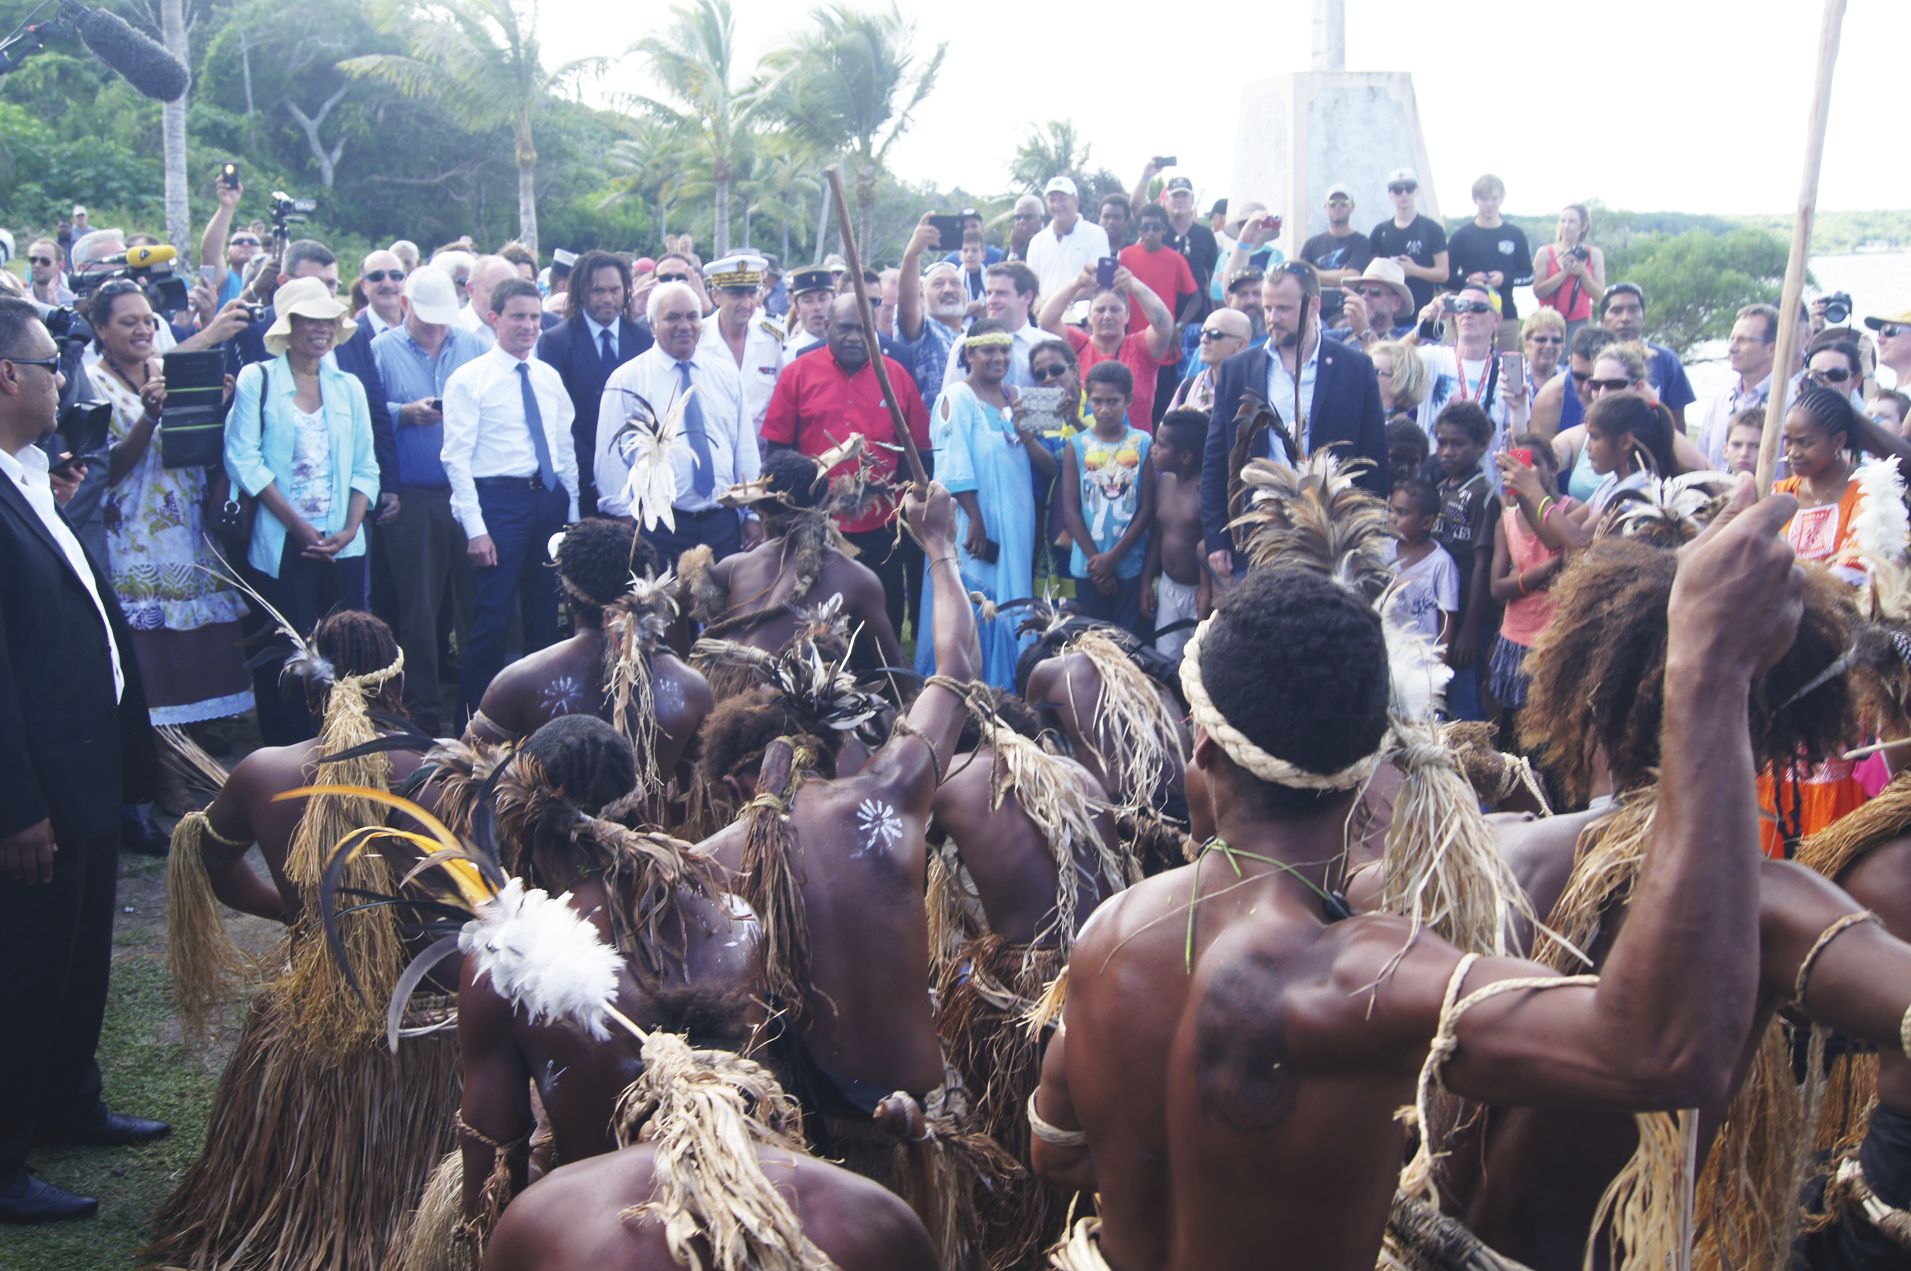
(1062, 184)
(1403, 176)
(433, 296)
(1339, 189)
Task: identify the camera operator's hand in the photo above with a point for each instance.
(1818, 319)
(65, 477)
(925, 237)
(203, 301)
(229, 195)
(1354, 310)
(153, 395)
(229, 321)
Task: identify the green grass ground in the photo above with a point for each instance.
(149, 1071)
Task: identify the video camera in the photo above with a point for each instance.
(150, 267)
(287, 211)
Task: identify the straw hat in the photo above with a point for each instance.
(306, 298)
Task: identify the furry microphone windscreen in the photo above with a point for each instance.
(145, 64)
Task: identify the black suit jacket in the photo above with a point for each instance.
(354, 357)
(580, 363)
(1347, 416)
(66, 750)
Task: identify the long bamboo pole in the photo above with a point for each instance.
(1801, 245)
(854, 259)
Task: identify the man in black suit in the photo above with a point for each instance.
(1339, 403)
(595, 340)
(74, 745)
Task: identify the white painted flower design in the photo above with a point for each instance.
(880, 825)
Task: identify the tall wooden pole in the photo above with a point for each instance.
(854, 259)
(1801, 245)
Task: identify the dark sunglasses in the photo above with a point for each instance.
(1369, 293)
(1832, 375)
(1580, 377)
(39, 260)
(1619, 385)
(50, 363)
(1472, 306)
(673, 277)
(1892, 330)
(248, 241)
(1210, 334)
(1402, 189)
(380, 275)
(1043, 374)
(1547, 339)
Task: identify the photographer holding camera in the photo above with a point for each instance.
(185, 622)
(1570, 274)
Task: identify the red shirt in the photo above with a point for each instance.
(815, 406)
(1134, 355)
(1167, 274)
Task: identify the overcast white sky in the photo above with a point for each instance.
(1675, 105)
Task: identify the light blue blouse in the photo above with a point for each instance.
(259, 448)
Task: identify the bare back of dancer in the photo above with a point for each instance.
(762, 582)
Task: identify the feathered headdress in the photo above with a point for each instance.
(1441, 867)
(650, 444)
(1668, 512)
(1315, 517)
(824, 693)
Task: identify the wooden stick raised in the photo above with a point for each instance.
(854, 259)
(1801, 246)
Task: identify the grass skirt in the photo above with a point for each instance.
(310, 1161)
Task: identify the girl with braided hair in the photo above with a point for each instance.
(319, 1140)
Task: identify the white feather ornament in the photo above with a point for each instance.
(650, 444)
(545, 957)
(1418, 671)
(1881, 527)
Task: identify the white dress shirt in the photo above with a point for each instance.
(485, 434)
(652, 375)
(28, 470)
(1058, 262)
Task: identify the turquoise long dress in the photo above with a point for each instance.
(977, 449)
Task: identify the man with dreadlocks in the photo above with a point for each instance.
(616, 667)
(834, 867)
(711, 1159)
(319, 1139)
(758, 598)
(1033, 841)
(652, 900)
(1541, 1184)
(1245, 1119)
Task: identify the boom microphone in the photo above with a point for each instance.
(146, 257)
(142, 62)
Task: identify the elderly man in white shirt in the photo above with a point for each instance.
(720, 446)
(1067, 244)
(513, 474)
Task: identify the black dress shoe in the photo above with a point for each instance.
(108, 1129)
(28, 1199)
(138, 832)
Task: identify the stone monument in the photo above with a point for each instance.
(1302, 132)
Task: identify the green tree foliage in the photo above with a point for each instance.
(712, 116)
(1699, 279)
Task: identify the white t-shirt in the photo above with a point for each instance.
(1428, 587)
(1058, 262)
(1452, 378)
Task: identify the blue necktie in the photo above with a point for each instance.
(704, 481)
(609, 349)
(534, 420)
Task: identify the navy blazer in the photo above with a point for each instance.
(579, 362)
(1347, 416)
(354, 357)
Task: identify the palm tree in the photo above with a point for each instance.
(478, 61)
(788, 175)
(694, 60)
(651, 157)
(851, 83)
(1053, 151)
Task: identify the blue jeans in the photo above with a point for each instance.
(520, 520)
